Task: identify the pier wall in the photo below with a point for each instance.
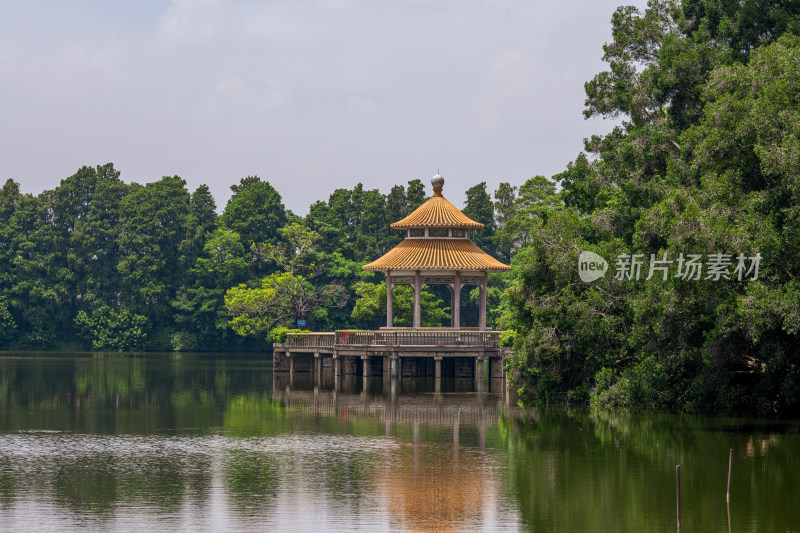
(426, 352)
(458, 364)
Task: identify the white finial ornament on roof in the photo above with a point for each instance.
(438, 182)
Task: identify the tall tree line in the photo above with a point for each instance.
(704, 163)
(100, 264)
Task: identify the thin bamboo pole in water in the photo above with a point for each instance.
(678, 492)
(730, 468)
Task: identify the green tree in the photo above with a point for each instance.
(415, 195)
(201, 222)
(93, 226)
(536, 201)
(282, 299)
(371, 306)
(505, 207)
(479, 207)
(199, 307)
(153, 225)
(255, 212)
(110, 329)
(42, 297)
(285, 297)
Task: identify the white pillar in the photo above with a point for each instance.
(389, 300)
(456, 310)
(482, 308)
(417, 299)
(452, 303)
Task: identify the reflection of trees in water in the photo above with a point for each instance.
(252, 481)
(122, 393)
(95, 473)
(576, 470)
(339, 476)
(163, 394)
(99, 484)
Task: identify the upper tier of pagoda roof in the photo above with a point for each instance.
(437, 212)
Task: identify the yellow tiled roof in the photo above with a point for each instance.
(436, 254)
(437, 212)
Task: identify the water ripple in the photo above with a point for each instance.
(31, 445)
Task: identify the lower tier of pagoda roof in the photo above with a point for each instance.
(437, 254)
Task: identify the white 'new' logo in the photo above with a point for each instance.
(591, 266)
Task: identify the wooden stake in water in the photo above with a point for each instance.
(678, 491)
(730, 468)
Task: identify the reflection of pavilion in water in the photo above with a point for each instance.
(430, 401)
(444, 478)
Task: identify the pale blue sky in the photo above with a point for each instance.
(311, 95)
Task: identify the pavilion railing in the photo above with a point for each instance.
(482, 339)
(433, 337)
(310, 340)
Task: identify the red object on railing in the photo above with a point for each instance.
(345, 334)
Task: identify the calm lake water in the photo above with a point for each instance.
(197, 442)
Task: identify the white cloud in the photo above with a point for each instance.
(360, 104)
(193, 21)
(236, 96)
(310, 94)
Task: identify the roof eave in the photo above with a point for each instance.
(399, 226)
(460, 269)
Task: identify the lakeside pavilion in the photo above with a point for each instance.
(437, 251)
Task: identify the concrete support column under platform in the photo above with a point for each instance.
(479, 368)
(317, 363)
(291, 362)
(337, 366)
(438, 363)
(394, 370)
(372, 365)
(495, 367)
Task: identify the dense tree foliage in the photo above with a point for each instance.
(705, 162)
